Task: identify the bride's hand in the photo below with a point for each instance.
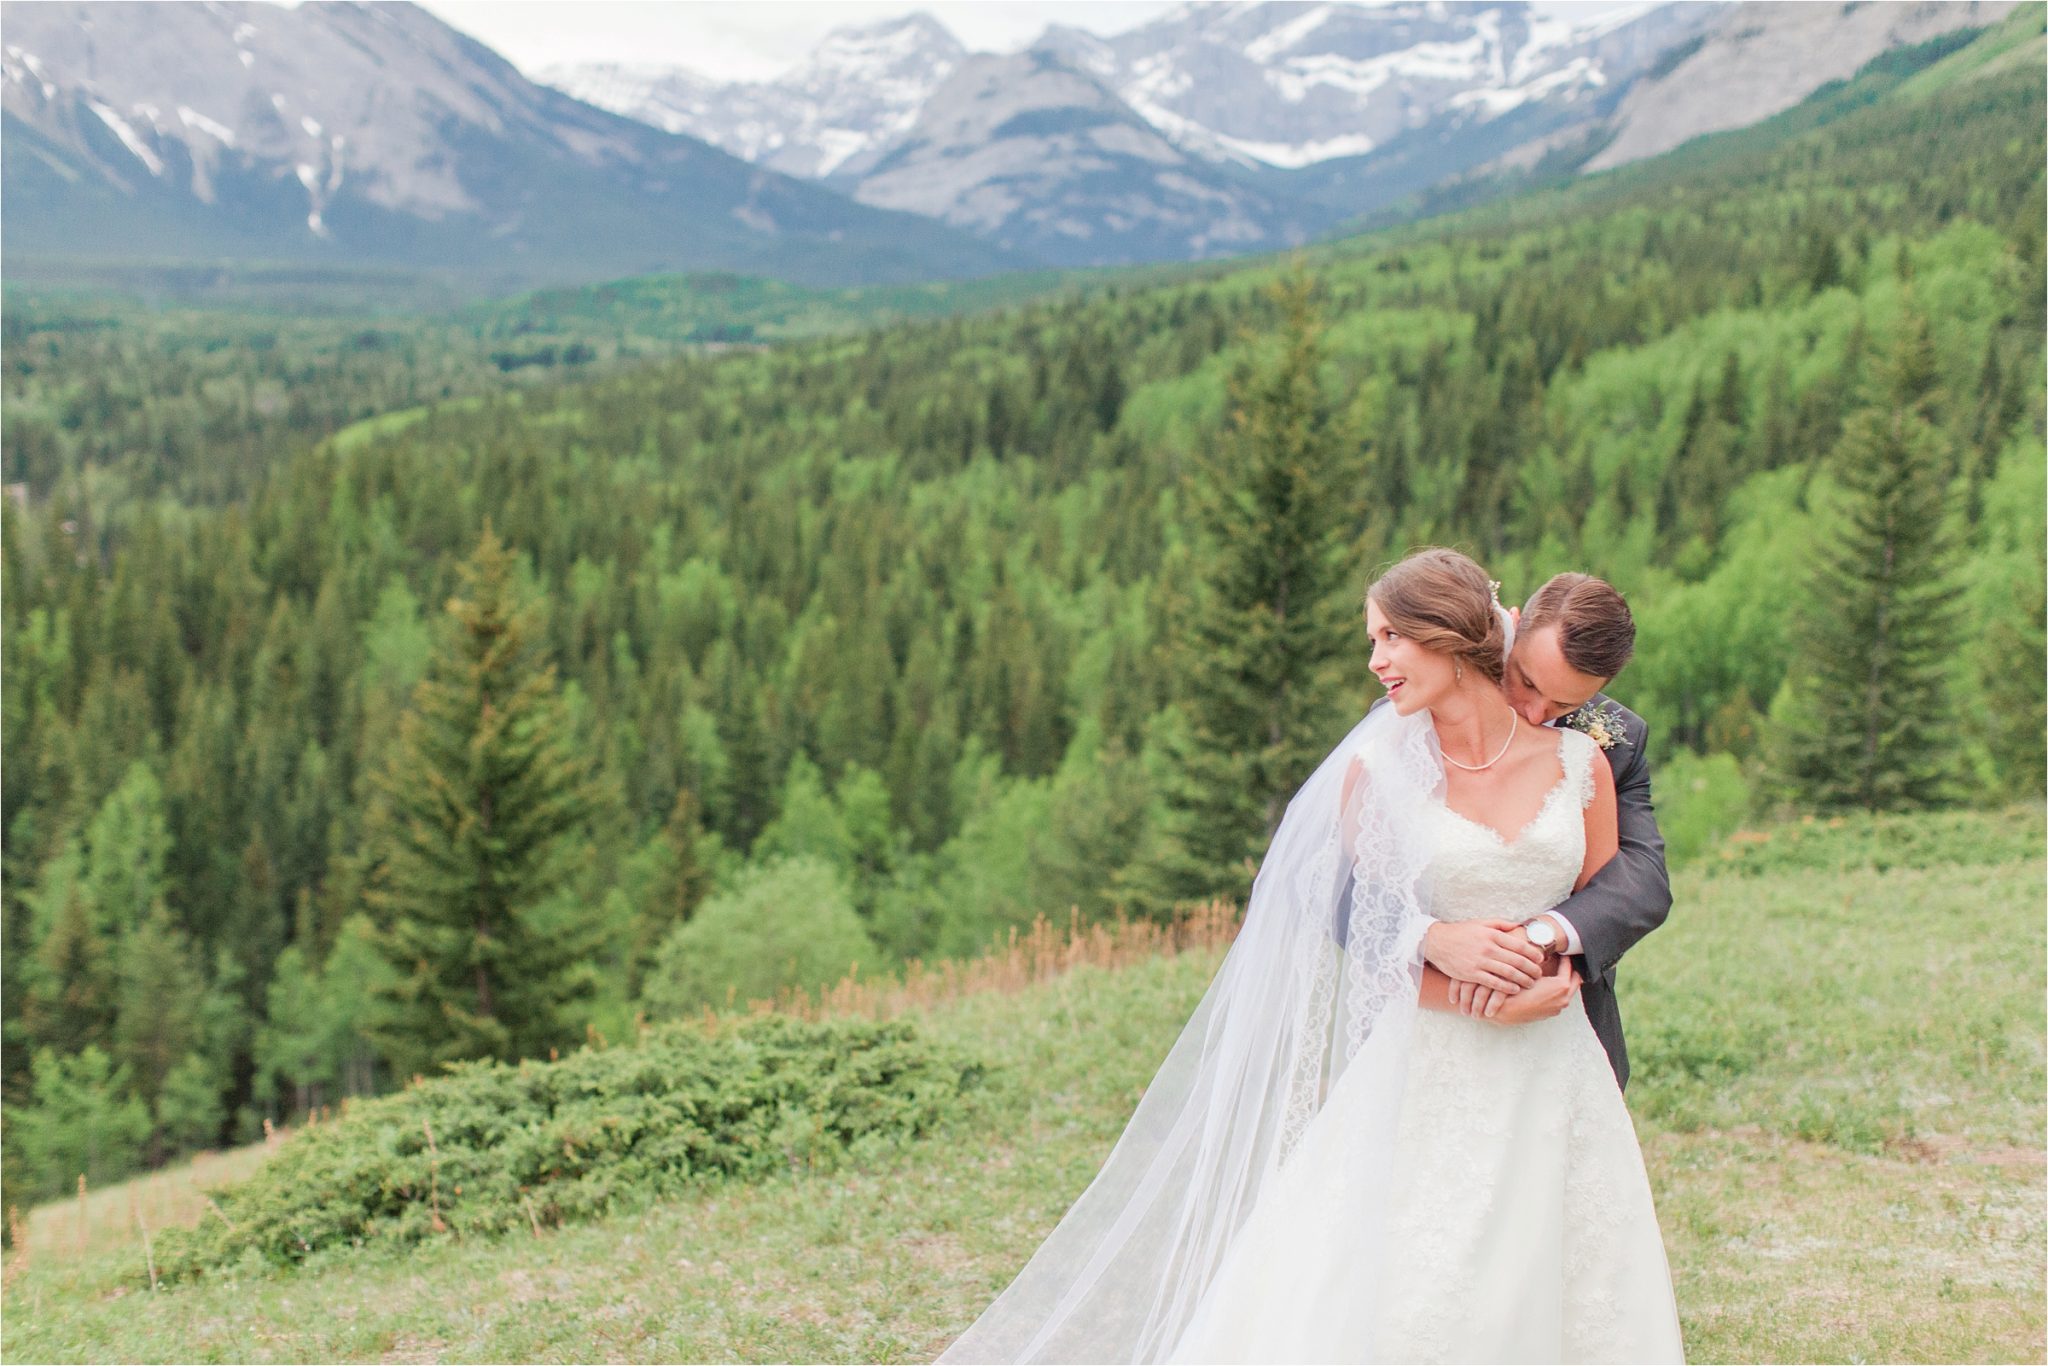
(1488, 953)
(1469, 998)
(1548, 997)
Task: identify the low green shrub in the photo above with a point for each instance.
(1919, 839)
(491, 1147)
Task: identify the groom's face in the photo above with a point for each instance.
(1540, 684)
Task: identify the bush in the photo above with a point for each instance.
(1700, 801)
(494, 1146)
(788, 924)
(1883, 843)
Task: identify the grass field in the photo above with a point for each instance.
(1838, 1044)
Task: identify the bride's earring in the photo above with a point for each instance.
(1459, 666)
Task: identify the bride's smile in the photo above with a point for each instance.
(1413, 675)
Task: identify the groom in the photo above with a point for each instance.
(1572, 637)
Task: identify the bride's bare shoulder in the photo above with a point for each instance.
(1536, 744)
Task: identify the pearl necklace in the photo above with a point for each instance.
(1515, 720)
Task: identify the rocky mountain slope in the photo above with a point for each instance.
(1290, 85)
(1231, 127)
(1043, 159)
(1181, 138)
(1764, 58)
(341, 132)
(374, 133)
(1272, 84)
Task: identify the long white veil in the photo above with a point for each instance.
(1319, 985)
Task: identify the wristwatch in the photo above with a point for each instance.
(1544, 936)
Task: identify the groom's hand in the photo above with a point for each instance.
(1487, 953)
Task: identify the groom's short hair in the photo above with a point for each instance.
(1594, 628)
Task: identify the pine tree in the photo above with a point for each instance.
(471, 834)
(128, 844)
(1879, 627)
(213, 1079)
(1256, 663)
(70, 999)
(158, 996)
(2010, 667)
(83, 1121)
(685, 882)
(293, 1044)
(190, 1107)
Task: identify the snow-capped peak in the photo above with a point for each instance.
(860, 87)
(1287, 85)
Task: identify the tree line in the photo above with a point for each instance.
(475, 731)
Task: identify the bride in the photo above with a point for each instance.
(1339, 1161)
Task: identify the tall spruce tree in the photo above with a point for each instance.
(1276, 506)
(684, 883)
(472, 831)
(159, 990)
(84, 1121)
(69, 1003)
(1879, 626)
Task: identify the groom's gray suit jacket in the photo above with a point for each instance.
(1628, 897)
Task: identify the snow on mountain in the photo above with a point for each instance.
(859, 89)
(376, 131)
(1238, 100)
(1256, 84)
(1211, 128)
(1290, 85)
(1042, 158)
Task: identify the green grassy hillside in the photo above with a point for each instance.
(934, 604)
(1838, 1087)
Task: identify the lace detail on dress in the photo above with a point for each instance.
(1319, 971)
(1476, 873)
(1379, 843)
(1498, 1108)
(1577, 756)
(1600, 1204)
(1508, 1216)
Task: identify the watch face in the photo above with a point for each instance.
(1541, 933)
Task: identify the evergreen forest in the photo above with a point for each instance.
(388, 691)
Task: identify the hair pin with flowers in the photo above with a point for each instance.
(1507, 620)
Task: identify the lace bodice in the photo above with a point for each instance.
(1473, 873)
(1508, 1217)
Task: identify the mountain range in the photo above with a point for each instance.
(341, 133)
(356, 133)
(1276, 84)
(1268, 123)
(1181, 138)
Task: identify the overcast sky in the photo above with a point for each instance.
(757, 39)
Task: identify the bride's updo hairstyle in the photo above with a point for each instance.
(1442, 600)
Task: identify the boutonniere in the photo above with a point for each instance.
(1601, 721)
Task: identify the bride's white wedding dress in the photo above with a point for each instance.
(1518, 1211)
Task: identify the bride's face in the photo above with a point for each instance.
(1414, 676)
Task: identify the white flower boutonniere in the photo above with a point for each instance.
(1602, 722)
